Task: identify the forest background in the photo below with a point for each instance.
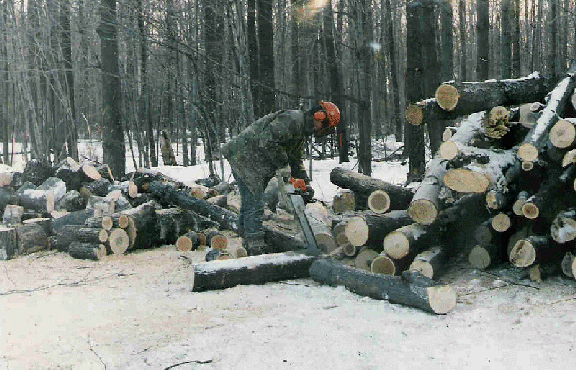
(124, 71)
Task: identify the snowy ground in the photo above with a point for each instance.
(137, 312)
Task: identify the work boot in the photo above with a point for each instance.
(255, 244)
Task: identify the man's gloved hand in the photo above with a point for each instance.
(299, 184)
(308, 195)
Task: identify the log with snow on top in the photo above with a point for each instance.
(536, 139)
(453, 100)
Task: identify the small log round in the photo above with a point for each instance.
(343, 201)
(501, 222)
(379, 201)
(357, 231)
(448, 133)
(383, 265)
(464, 180)
(431, 262)
(483, 256)
(562, 134)
(118, 241)
(566, 264)
(414, 114)
(519, 203)
(447, 97)
(364, 259)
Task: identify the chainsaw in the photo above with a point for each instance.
(293, 198)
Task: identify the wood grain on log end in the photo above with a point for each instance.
(357, 231)
(501, 222)
(566, 264)
(118, 241)
(379, 201)
(463, 180)
(414, 114)
(442, 298)
(423, 211)
(530, 210)
(447, 97)
(448, 133)
(448, 150)
(527, 166)
(383, 264)
(523, 254)
(527, 152)
(562, 134)
(349, 250)
(519, 203)
(497, 123)
(396, 244)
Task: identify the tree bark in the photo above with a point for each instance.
(411, 289)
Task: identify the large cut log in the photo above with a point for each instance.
(424, 207)
(250, 270)
(486, 255)
(143, 226)
(468, 134)
(37, 171)
(536, 249)
(343, 201)
(87, 251)
(460, 99)
(32, 238)
(71, 218)
(411, 289)
(409, 240)
(478, 177)
(546, 202)
(69, 233)
(57, 186)
(75, 174)
(363, 186)
(118, 241)
(537, 137)
(431, 262)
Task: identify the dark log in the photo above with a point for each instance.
(545, 203)
(37, 171)
(536, 249)
(363, 186)
(71, 218)
(187, 242)
(45, 222)
(71, 201)
(173, 222)
(461, 99)
(537, 137)
(69, 233)
(8, 243)
(100, 187)
(88, 251)
(250, 270)
(32, 238)
(143, 226)
(486, 255)
(411, 289)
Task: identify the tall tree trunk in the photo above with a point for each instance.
(516, 50)
(392, 46)
(72, 127)
(336, 90)
(414, 142)
(483, 44)
(365, 56)
(143, 101)
(267, 101)
(447, 17)
(463, 41)
(432, 68)
(114, 151)
(506, 39)
(254, 52)
(553, 65)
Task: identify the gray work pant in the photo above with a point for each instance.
(251, 210)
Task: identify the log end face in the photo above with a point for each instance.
(523, 254)
(562, 134)
(465, 181)
(527, 152)
(357, 231)
(383, 265)
(423, 211)
(442, 299)
(479, 258)
(379, 201)
(414, 114)
(530, 210)
(447, 97)
(396, 245)
(423, 267)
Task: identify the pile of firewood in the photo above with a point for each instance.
(500, 189)
(82, 210)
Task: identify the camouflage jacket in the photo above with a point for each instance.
(272, 142)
